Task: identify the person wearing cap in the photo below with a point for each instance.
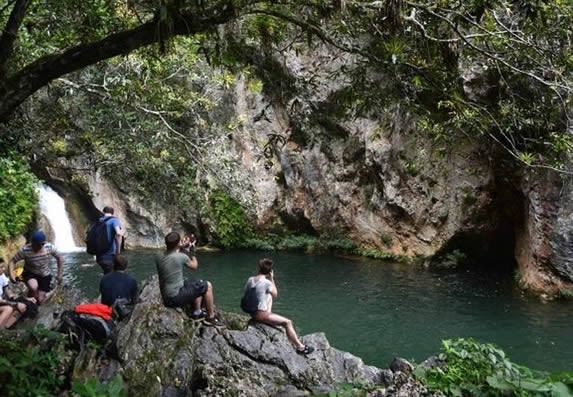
(37, 258)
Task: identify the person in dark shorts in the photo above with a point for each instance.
(178, 292)
(118, 285)
(36, 257)
(263, 284)
(114, 230)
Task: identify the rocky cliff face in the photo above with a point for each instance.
(543, 242)
(372, 177)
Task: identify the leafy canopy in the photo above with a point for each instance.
(18, 197)
(497, 71)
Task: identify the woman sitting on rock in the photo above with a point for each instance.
(12, 306)
(258, 301)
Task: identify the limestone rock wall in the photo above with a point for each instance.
(373, 178)
(544, 243)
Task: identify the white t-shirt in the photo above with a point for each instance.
(4, 281)
(263, 287)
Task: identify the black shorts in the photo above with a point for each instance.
(31, 307)
(105, 264)
(191, 290)
(44, 282)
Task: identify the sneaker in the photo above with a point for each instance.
(198, 317)
(213, 322)
(306, 350)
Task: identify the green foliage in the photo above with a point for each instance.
(415, 53)
(341, 244)
(18, 198)
(291, 242)
(232, 225)
(357, 389)
(29, 365)
(476, 369)
(386, 239)
(61, 24)
(260, 244)
(450, 260)
(297, 242)
(376, 254)
(468, 196)
(93, 388)
(133, 127)
(266, 28)
(566, 293)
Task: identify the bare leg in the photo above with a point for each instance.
(15, 315)
(275, 319)
(5, 314)
(196, 304)
(33, 291)
(209, 304)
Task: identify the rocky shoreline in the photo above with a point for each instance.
(161, 352)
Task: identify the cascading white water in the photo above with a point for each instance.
(53, 208)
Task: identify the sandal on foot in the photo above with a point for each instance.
(305, 350)
(213, 322)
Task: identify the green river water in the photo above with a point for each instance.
(377, 310)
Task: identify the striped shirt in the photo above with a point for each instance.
(37, 262)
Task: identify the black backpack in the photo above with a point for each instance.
(86, 327)
(250, 302)
(97, 240)
(121, 309)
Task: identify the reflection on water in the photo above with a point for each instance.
(378, 311)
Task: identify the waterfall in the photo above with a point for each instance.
(53, 208)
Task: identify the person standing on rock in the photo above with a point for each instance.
(178, 292)
(114, 231)
(258, 301)
(36, 257)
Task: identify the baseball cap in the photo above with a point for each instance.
(38, 237)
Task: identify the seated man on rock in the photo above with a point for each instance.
(178, 292)
(118, 289)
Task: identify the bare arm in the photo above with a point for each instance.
(11, 274)
(60, 261)
(274, 291)
(192, 263)
(118, 236)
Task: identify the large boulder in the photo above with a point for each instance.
(159, 351)
(164, 353)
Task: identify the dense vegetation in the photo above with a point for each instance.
(32, 364)
(18, 200)
(496, 71)
(38, 362)
(469, 368)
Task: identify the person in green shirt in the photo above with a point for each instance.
(177, 291)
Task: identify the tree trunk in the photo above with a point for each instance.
(15, 89)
